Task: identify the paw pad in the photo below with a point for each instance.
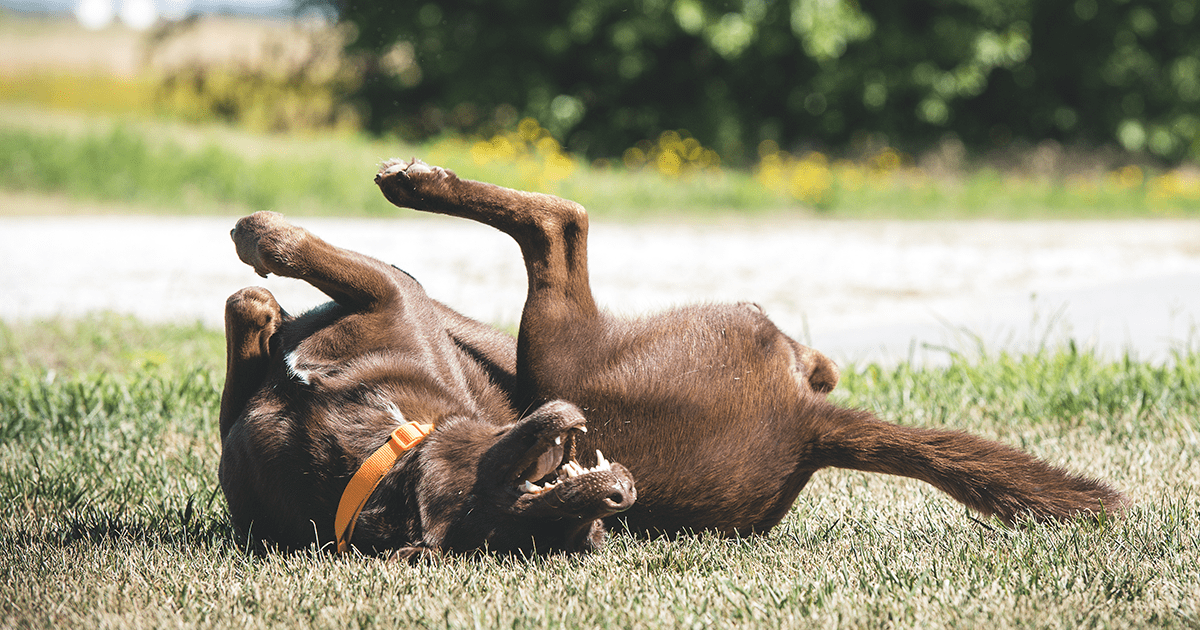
(418, 166)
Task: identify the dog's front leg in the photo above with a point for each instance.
(267, 242)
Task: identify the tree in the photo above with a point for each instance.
(604, 74)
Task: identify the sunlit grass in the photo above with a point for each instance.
(157, 166)
(95, 93)
(108, 343)
(160, 167)
(114, 517)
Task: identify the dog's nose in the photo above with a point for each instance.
(621, 497)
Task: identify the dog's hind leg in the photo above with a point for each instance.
(251, 317)
(560, 312)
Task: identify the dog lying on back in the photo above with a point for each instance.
(535, 443)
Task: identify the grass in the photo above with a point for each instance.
(108, 343)
(169, 168)
(114, 517)
(160, 166)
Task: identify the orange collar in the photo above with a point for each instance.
(363, 483)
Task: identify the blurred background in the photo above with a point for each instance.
(820, 102)
(756, 113)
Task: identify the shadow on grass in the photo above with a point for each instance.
(195, 526)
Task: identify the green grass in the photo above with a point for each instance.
(114, 517)
(108, 343)
(127, 165)
(168, 167)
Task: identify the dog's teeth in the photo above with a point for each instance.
(529, 487)
(574, 469)
(558, 440)
(583, 429)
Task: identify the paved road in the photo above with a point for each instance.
(859, 291)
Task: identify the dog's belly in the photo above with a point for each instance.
(715, 437)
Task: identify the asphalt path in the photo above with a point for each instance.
(859, 291)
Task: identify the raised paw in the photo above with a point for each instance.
(413, 184)
(253, 310)
(266, 241)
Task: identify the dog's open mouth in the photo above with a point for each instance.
(556, 464)
(569, 470)
(546, 478)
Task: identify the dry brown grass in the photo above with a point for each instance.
(58, 45)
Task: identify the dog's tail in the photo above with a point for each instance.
(989, 477)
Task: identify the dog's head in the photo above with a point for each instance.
(517, 488)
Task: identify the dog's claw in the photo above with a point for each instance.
(396, 165)
(391, 167)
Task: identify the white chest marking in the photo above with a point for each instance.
(294, 369)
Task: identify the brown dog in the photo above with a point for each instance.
(719, 416)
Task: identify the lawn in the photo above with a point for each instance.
(109, 450)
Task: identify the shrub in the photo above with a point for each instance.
(601, 75)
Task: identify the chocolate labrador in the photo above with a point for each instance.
(386, 421)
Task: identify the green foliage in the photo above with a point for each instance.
(603, 75)
(295, 84)
(255, 98)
